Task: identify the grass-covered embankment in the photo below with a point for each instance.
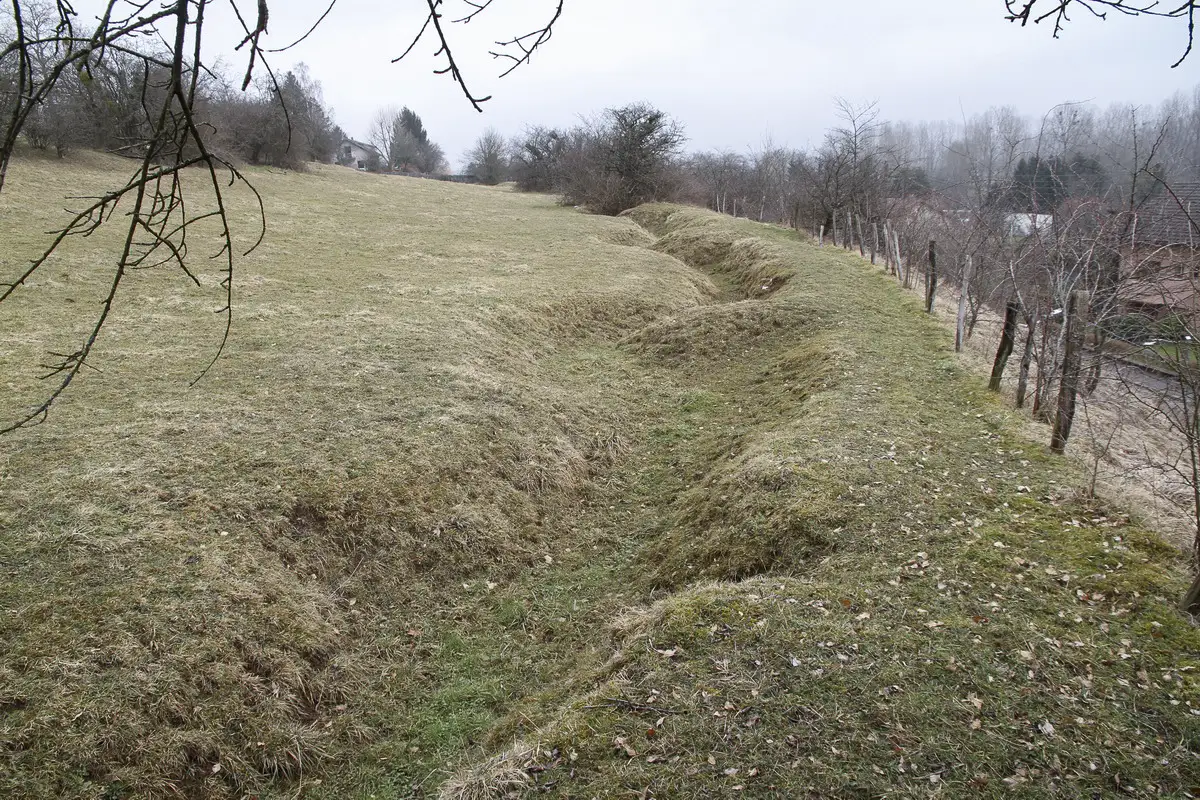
(871, 585)
(484, 491)
(220, 589)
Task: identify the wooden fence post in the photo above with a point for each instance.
(861, 248)
(1076, 322)
(887, 248)
(1006, 344)
(874, 241)
(821, 239)
(1026, 362)
(960, 330)
(899, 261)
(931, 277)
(1041, 386)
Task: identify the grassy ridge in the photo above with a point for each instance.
(206, 587)
(919, 604)
(484, 490)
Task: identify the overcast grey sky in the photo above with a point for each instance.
(732, 71)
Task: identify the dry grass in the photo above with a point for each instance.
(1127, 448)
(915, 601)
(203, 576)
(458, 432)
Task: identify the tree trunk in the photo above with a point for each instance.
(887, 248)
(899, 262)
(960, 330)
(1191, 600)
(1026, 362)
(1094, 372)
(1006, 344)
(1045, 367)
(931, 277)
(1076, 325)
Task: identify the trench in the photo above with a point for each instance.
(709, 382)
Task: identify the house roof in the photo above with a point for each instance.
(1171, 217)
(361, 145)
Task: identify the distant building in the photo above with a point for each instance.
(360, 155)
(1160, 268)
(1022, 226)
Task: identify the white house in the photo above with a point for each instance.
(1026, 225)
(359, 154)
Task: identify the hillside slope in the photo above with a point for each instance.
(874, 588)
(489, 497)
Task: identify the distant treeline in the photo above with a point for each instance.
(999, 159)
(106, 104)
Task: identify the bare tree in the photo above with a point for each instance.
(487, 159)
(384, 132)
(535, 156)
(620, 159)
(722, 177)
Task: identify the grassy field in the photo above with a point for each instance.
(488, 497)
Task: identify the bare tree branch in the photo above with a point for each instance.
(1036, 11)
